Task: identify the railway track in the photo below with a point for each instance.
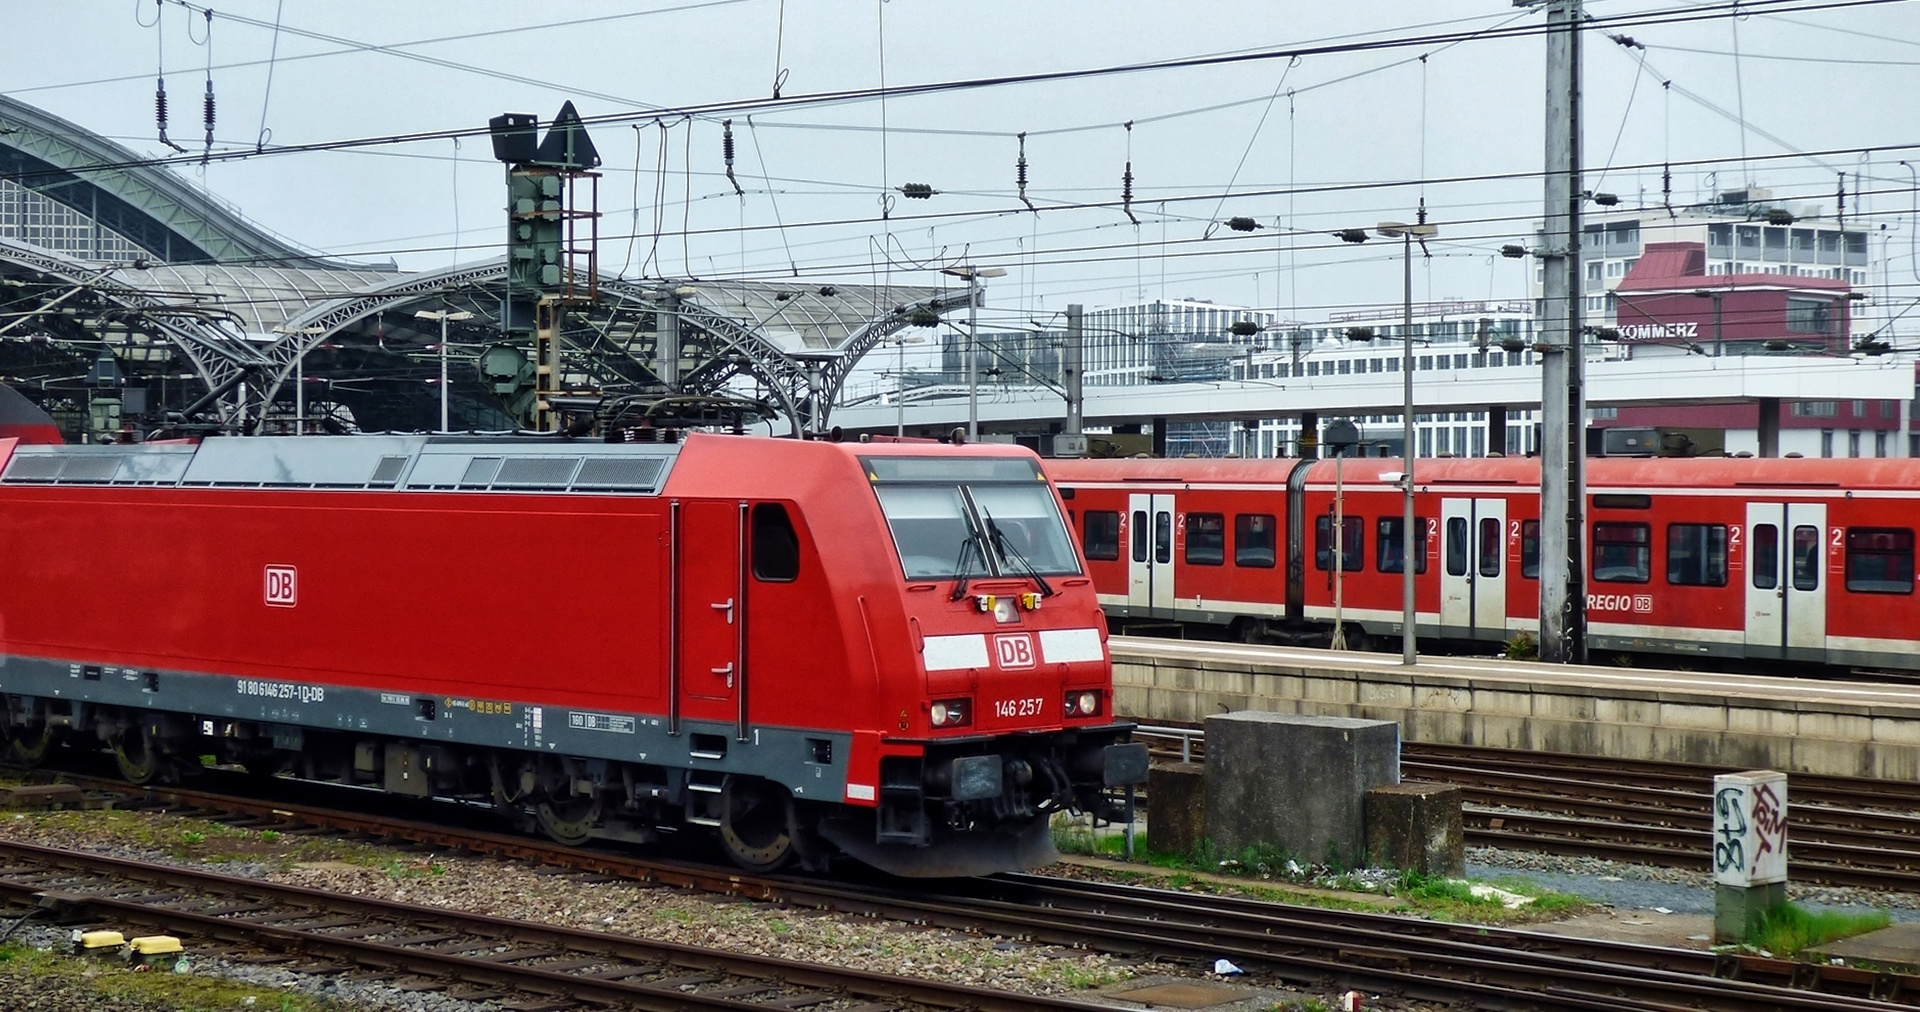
(523, 965)
(1841, 831)
(1491, 968)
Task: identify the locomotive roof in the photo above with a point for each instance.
(464, 463)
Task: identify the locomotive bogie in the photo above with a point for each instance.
(741, 635)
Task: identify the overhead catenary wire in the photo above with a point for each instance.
(1748, 9)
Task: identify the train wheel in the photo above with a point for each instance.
(32, 739)
(756, 826)
(134, 751)
(570, 822)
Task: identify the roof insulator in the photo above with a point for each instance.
(917, 191)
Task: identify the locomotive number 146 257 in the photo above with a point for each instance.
(1027, 707)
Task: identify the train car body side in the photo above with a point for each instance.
(1789, 560)
(608, 637)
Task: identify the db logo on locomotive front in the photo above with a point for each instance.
(1641, 604)
(1014, 650)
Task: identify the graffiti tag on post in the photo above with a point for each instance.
(1750, 828)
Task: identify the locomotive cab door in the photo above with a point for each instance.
(710, 592)
(1150, 547)
(1473, 584)
(1786, 567)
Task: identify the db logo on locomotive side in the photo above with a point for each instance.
(282, 586)
(1015, 650)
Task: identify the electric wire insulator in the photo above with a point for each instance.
(1126, 185)
(726, 151)
(160, 103)
(207, 108)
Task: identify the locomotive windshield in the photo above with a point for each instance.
(971, 517)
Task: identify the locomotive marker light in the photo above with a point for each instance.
(973, 275)
(1409, 651)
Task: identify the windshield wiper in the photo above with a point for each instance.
(970, 547)
(1007, 551)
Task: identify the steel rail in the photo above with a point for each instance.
(386, 935)
(1308, 945)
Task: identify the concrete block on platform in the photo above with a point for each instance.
(1176, 807)
(1503, 700)
(1417, 827)
(1693, 715)
(1442, 697)
(1295, 782)
(1766, 720)
(1896, 730)
(1345, 691)
(1564, 706)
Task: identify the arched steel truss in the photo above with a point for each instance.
(610, 344)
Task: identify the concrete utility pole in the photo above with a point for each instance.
(1070, 361)
(1562, 398)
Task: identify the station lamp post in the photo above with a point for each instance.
(973, 275)
(444, 316)
(1407, 234)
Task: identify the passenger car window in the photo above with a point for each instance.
(1139, 535)
(1206, 539)
(1387, 549)
(1353, 556)
(1100, 534)
(1253, 535)
(1806, 557)
(1530, 549)
(1765, 556)
(1163, 537)
(1456, 546)
(1622, 553)
(1697, 555)
(1880, 560)
(1491, 543)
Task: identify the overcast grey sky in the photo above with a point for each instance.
(1824, 80)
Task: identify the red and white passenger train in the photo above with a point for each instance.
(1800, 560)
(887, 651)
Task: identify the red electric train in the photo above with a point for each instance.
(885, 651)
(1800, 560)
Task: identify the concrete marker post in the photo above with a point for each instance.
(1749, 851)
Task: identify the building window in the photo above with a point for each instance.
(1100, 534)
(1809, 316)
(1853, 442)
(1880, 560)
(1880, 443)
(1826, 442)
(1622, 553)
(1206, 539)
(1697, 555)
(1816, 409)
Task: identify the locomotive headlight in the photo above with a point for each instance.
(1084, 704)
(950, 713)
(1005, 610)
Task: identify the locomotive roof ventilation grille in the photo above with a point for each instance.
(544, 473)
(63, 465)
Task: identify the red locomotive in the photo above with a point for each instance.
(886, 651)
(1801, 560)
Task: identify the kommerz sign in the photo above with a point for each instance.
(1659, 331)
